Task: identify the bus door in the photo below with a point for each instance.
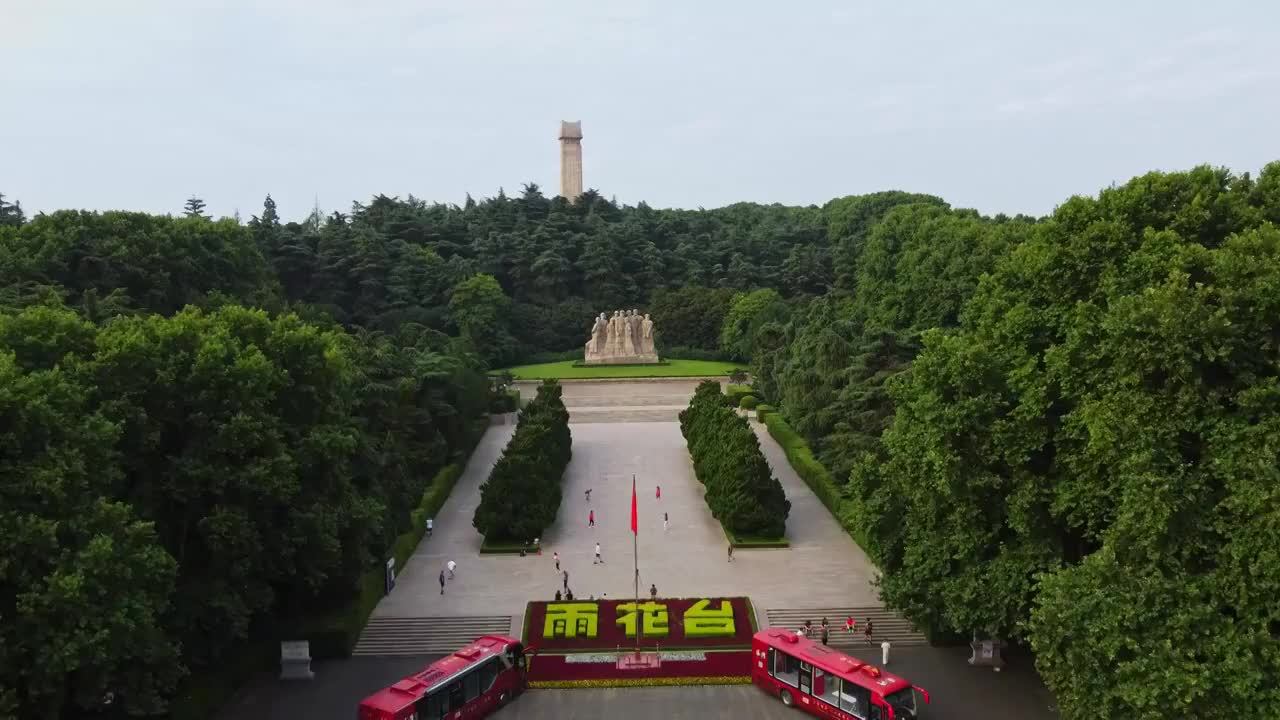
(806, 678)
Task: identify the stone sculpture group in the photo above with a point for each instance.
(624, 337)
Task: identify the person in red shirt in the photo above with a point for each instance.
(591, 519)
(659, 492)
(849, 624)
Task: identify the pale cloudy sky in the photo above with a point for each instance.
(1003, 106)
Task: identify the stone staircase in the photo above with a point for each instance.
(887, 625)
(624, 413)
(426, 635)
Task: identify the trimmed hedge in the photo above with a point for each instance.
(522, 495)
(748, 402)
(748, 542)
(814, 474)
(763, 412)
(735, 393)
(741, 490)
(488, 548)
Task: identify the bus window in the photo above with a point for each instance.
(806, 678)
(471, 684)
(786, 668)
(826, 687)
(855, 700)
(434, 706)
(488, 674)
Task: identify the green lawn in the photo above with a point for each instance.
(673, 368)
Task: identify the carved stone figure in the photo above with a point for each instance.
(600, 333)
(628, 336)
(625, 336)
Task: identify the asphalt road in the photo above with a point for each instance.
(959, 692)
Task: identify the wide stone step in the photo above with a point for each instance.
(426, 635)
(625, 413)
(887, 624)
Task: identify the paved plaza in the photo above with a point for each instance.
(822, 568)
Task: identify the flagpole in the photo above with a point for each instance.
(635, 554)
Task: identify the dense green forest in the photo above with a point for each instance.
(1060, 431)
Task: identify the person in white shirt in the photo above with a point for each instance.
(451, 566)
(598, 561)
(430, 526)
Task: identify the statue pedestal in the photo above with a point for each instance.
(295, 660)
(599, 359)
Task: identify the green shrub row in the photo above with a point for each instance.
(735, 393)
(748, 402)
(522, 495)
(741, 490)
(814, 474)
(505, 401)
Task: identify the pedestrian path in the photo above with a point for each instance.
(427, 635)
(685, 557)
(887, 624)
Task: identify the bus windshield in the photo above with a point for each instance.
(902, 700)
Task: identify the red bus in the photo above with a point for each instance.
(473, 681)
(826, 682)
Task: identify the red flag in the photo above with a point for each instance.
(635, 525)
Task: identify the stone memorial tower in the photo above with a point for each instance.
(571, 159)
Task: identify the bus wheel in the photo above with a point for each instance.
(786, 698)
(503, 698)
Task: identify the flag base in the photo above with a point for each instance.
(635, 660)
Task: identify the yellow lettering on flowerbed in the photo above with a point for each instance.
(701, 621)
(570, 620)
(654, 622)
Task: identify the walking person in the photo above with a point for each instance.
(591, 519)
(441, 582)
(653, 591)
(867, 631)
(556, 555)
(598, 561)
(588, 494)
(659, 492)
(849, 624)
(558, 596)
(666, 522)
(430, 526)
(826, 632)
(452, 565)
(731, 552)
(566, 581)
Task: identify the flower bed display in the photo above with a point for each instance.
(700, 641)
(668, 623)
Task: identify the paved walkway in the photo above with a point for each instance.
(823, 568)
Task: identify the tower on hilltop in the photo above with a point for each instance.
(571, 159)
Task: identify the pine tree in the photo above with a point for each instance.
(11, 213)
(194, 207)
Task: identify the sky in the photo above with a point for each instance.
(1000, 106)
